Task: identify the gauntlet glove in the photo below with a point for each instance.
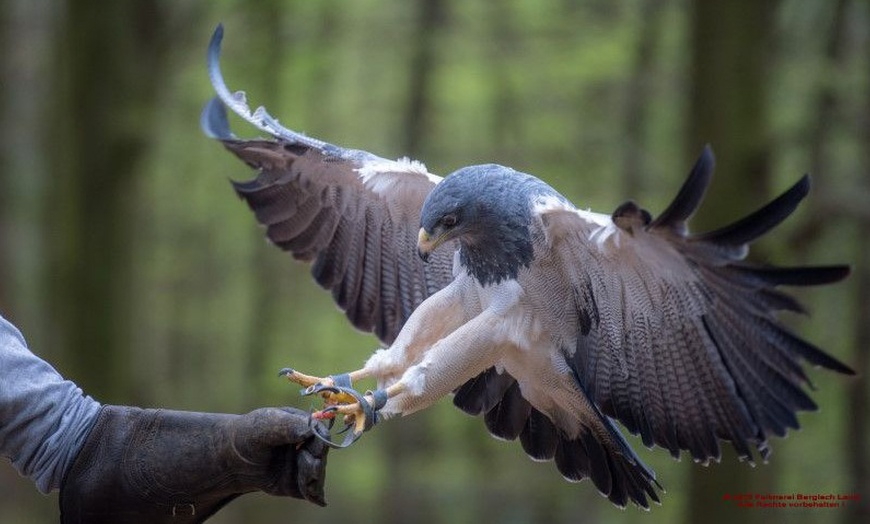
(154, 465)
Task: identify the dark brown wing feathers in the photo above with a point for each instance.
(361, 243)
(681, 341)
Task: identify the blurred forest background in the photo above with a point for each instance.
(128, 263)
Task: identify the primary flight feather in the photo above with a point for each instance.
(549, 321)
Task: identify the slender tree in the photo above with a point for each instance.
(637, 96)
(857, 430)
(267, 261)
(836, 53)
(110, 60)
(728, 42)
(25, 30)
(858, 421)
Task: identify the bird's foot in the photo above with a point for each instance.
(359, 416)
(359, 411)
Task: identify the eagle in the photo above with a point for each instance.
(550, 321)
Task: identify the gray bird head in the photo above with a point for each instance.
(488, 208)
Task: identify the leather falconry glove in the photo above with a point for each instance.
(154, 465)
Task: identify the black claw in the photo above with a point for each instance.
(370, 412)
(326, 438)
(318, 430)
(350, 439)
(347, 442)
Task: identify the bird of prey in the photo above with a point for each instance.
(550, 321)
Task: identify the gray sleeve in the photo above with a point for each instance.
(44, 419)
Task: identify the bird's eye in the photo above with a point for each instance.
(448, 220)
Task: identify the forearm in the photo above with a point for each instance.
(44, 419)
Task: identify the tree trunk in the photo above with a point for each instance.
(857, 435)
(103, 118)
(430, 17)
(858, 421)
(637, 98)
(267, 260)
(26, 29)
(505, 119)
(727, 109)
(825, 104)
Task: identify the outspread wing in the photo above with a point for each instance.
(678, 335)
(352, 214)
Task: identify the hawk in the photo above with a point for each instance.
(549, 321)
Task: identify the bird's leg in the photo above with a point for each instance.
(443, 366)
(387, 365)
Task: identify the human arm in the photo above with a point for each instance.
(44, 418)
(117, 463)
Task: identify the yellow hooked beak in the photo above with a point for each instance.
(426, 244)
